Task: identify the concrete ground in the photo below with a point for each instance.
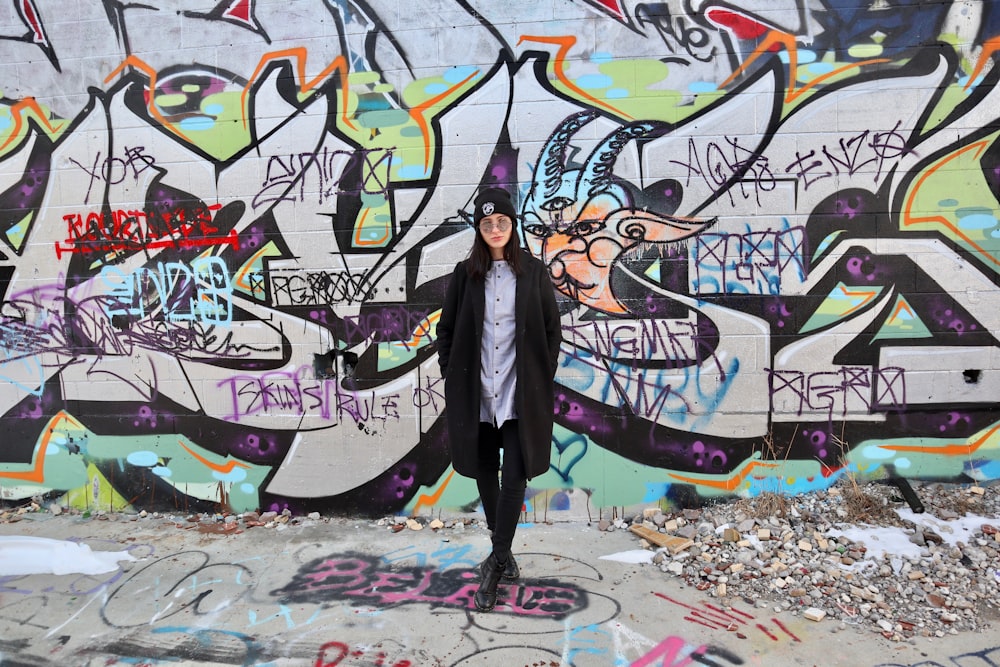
(349, 593)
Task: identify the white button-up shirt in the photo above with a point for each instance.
(498, 374)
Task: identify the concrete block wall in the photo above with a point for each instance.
(226, 229)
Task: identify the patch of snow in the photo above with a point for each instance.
(633, 556)
(40, 555)
(881, 541)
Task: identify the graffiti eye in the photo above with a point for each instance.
(541, 231)
(635, 231)
(585, 227)
(556, 204)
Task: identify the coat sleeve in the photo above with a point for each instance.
(550, 312)
(446, 323)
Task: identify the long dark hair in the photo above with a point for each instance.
(480, 258)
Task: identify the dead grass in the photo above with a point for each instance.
(764, 505)
(768, 503)
(863, 506)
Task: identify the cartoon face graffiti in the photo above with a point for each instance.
(581, 219)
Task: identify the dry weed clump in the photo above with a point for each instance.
(869, 504)
(764, 505)
(863, 506)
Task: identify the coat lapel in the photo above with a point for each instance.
(478, 288)
(521, 297)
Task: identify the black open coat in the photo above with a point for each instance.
(536, 347)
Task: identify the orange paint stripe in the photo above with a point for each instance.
(27, 104)
(422, 331)
(565, 43)
(141, 65)
(910, 219)
(795, 93)
(241, 276)
(299, 54)
(360, 242)
(425, 499)
(417, 113)
(901, 307)
(37, 472)
(223, 468)
(866, 298)
(729, 484)
(778, 38)
(990, 46)
(949, 450)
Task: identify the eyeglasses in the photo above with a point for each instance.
(485, 226)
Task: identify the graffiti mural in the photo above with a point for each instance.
(773, 228)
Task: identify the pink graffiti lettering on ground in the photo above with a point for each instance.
(389, 588)
(334, 568)
(415, 592)
(354, 578)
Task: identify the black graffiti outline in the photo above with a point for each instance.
(124, 595)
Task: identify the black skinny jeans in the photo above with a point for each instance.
(502, 498)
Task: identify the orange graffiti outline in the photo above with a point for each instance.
(432, 499)
(990, 46)
(729, 484)
(949, 450)
(866, 298)
(780, 38)
(140, 64)
(909, 219)
(420, 333)
(305, 86)
(900, 307)
(422, 330)
(565, 43)
(37, 472)
(299, 54)
(240, 277)
(358, 241)
(417, 114)
(28, 104)
(217, 467)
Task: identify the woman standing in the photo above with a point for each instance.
(498, 347)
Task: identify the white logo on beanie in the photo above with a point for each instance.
(488, 208)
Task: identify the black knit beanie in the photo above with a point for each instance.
(493, 200)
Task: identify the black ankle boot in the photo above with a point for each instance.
(510, 572)
(486, 596)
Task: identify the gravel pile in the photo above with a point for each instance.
(836, 555)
